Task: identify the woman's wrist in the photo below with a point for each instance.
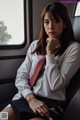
(30, 97)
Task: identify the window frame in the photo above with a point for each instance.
(19, 46)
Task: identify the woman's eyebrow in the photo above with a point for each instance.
(50, 19)
(46, 19)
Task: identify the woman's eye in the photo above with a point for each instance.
(47, 22)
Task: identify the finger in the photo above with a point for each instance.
(34, 111)
(48, 39)
(40, 112)
(46, 112)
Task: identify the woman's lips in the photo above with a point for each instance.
(51, 33)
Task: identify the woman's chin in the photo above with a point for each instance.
(52, 36)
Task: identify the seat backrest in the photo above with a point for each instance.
(73, 87)
(76, 27)
(73, 90)
(75, 81)
(73, 110)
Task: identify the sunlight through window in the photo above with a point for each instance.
(77, 13)
(11, 22)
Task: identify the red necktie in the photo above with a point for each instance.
(39, 66)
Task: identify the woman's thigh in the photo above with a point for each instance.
(37, 119)
(11, 114)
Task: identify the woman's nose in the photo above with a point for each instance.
(51, 25)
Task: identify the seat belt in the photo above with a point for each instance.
(37, 70)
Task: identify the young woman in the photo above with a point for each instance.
(62, 53)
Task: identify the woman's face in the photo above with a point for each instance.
(53, 28)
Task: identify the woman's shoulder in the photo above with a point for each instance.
(73, 49)
(74, 46)
(33, 45)
(34, 41)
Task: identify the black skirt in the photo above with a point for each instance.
(23, 111)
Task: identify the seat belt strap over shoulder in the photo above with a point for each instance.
(38, 67)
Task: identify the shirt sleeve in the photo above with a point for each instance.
(59, 76)
(23, 74)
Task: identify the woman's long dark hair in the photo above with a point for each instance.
(57, 10)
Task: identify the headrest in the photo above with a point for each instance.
(76, 27)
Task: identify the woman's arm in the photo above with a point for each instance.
(59, 76)
(23, 74)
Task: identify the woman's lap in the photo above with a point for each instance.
(22, 108)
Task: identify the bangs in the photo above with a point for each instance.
(54, 15)
(52, 11)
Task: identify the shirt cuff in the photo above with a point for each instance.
(50, 59)
(26, 92)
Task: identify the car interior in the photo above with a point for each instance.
(7, 84)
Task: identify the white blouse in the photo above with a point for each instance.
(57, 74)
